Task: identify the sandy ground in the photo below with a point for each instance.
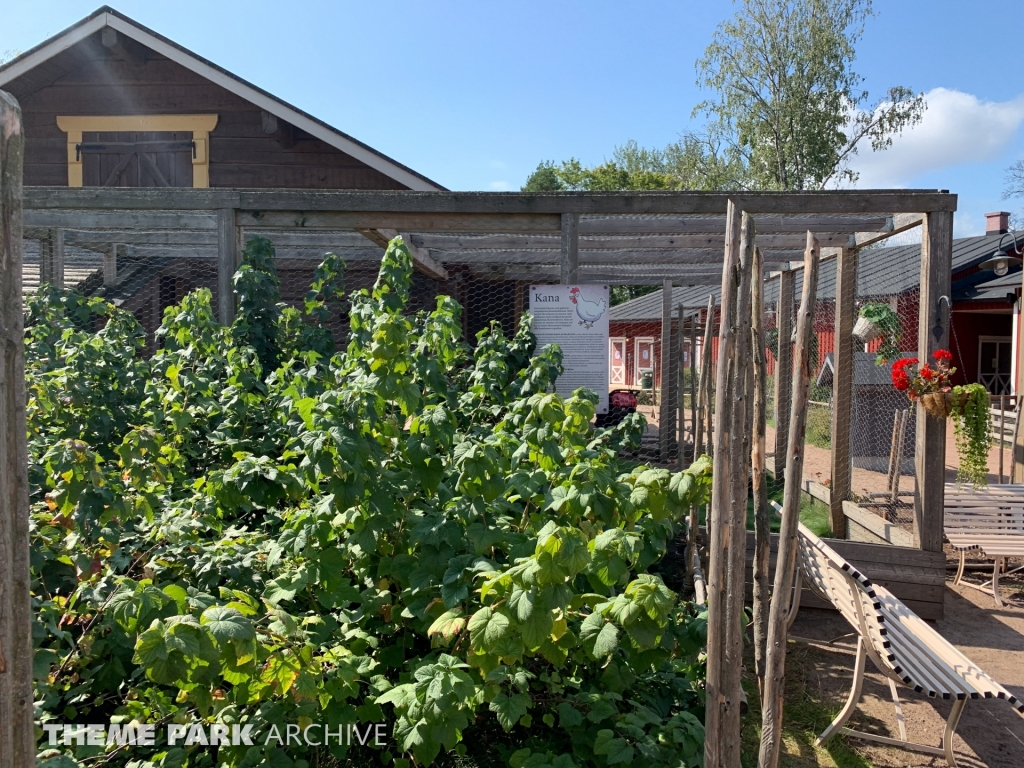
(818, 466)
(991, 733)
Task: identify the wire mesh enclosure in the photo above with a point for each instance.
(660, 270)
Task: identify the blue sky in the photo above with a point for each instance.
(475, 94)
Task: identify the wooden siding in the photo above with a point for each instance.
(88, 80)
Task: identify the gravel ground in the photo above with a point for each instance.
(991, 733)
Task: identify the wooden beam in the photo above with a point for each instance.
(711, 240)
(932, 334)
(885, 202)
(227, 259)
(637, 258)
(421, 261)
(783, 369)
(125, 219)
(403, 222)
(570, 251)
(666, 402)
(551, 273)
(901, 223)
(842, 387)
(17, 740)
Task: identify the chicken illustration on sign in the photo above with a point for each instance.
(589, 312)
(575, 317)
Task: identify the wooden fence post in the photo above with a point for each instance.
(681, 389)
(721, 502)
(110, 265)
(741, 411)
(17, 736)
(932, 334)
(783, 370)
(704, 394)
(570, 248)
(762, 520)
(227, 264)
(842, 387)
(785, 567)
(666, 403)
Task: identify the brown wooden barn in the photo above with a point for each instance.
(110, 103)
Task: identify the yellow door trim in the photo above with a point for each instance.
(199, 125)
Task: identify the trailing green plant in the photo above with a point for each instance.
(251, 529)
(972, 426)
(888, 322)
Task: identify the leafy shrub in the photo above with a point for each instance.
(888, 322)
(249, 529)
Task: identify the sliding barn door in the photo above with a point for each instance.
(136, 159)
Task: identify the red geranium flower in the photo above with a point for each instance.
(943, 354)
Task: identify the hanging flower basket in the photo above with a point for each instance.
(942, 405)
(865, 331)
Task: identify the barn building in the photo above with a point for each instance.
(111, 103)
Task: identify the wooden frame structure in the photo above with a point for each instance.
(660, 238)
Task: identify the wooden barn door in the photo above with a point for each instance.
(617, 360)
(136, 159)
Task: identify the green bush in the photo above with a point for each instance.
(249, 529)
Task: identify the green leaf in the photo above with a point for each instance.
(227, 624)
(607, 641)
(486, 628)
(285, 587)
(510, 708)
(618, 750)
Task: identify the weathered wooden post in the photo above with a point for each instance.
(740, 415)
(785, 567)
(932, 334)
(681, 388)
(110, 265)
(704, 391)
(17, 738)
(693, 382)
(842, 387)
(666, 403)
(721, 504)
(783, 370)
(762, 520)
(570, 248)
(227, 260)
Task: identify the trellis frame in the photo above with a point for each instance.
(677, 237)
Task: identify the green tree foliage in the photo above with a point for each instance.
(249, 528)
(787, 98)
(693, 162)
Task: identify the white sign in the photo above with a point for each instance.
(575, 317)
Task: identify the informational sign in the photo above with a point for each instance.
(575, 317)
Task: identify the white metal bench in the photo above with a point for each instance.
(898, 642)
(990, 519)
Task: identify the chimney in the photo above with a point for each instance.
(997, 223)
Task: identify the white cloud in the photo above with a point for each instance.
(957, 128)
(500, 186)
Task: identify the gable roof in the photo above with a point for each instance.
(108, 17)
(881, 271)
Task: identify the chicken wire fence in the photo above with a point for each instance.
(492, 285)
